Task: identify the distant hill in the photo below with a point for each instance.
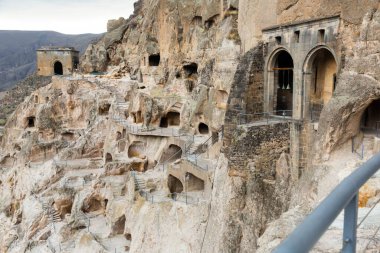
(18, 51)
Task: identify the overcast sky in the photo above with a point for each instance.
(65, 16)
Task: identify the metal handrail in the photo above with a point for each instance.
(344, 196)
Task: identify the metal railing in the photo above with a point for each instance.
(354, 148)
(343, 197)
(267, 117)
(182, 197)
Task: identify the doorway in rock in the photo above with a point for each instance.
(154, 60)
(58, 68)
(174, 184)
(283, 81)
(172, 154)
(194, 183)
(370, 122)
(203, 128)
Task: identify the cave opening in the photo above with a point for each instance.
(108, 158)
(209, 23)
(172, 154)
(190, 70)
(203, 128)
(119, 136)
(68, 136)
(154, 60)
(92, 204)
(370, 122)
(175, 185)
(221, 99)
(136, 149)
(104, 109)
(194, 183)
(31, 121)
(164, 122)
(173, 118)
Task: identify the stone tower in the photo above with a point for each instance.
(57, 61)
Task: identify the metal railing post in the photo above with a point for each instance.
(350, 223)
(363, 149)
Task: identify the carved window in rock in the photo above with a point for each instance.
(175, 185)
(203, 128)
(31, 121)
(154, 60)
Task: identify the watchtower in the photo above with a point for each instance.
(57, 61)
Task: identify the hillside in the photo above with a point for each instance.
(10, 99)
(201, 126)
(17, 51)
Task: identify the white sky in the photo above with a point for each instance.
(65, 16)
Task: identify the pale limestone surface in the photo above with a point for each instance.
(89, 132)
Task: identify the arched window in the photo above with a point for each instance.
(283, 84)
(320, 81)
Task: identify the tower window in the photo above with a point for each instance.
(296, 36)
(321, 36)
(278, 40)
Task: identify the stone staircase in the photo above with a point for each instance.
(140, 184)
(52, 214)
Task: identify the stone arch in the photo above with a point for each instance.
(58, 68)
(280, 82)
(136, 149)
(171, 154)
(194, 183)
(320, 77)
(175, 185)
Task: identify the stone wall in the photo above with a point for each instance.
(247, 91)
(259, 167)
(47, 58)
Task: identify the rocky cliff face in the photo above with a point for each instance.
(156, 146)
